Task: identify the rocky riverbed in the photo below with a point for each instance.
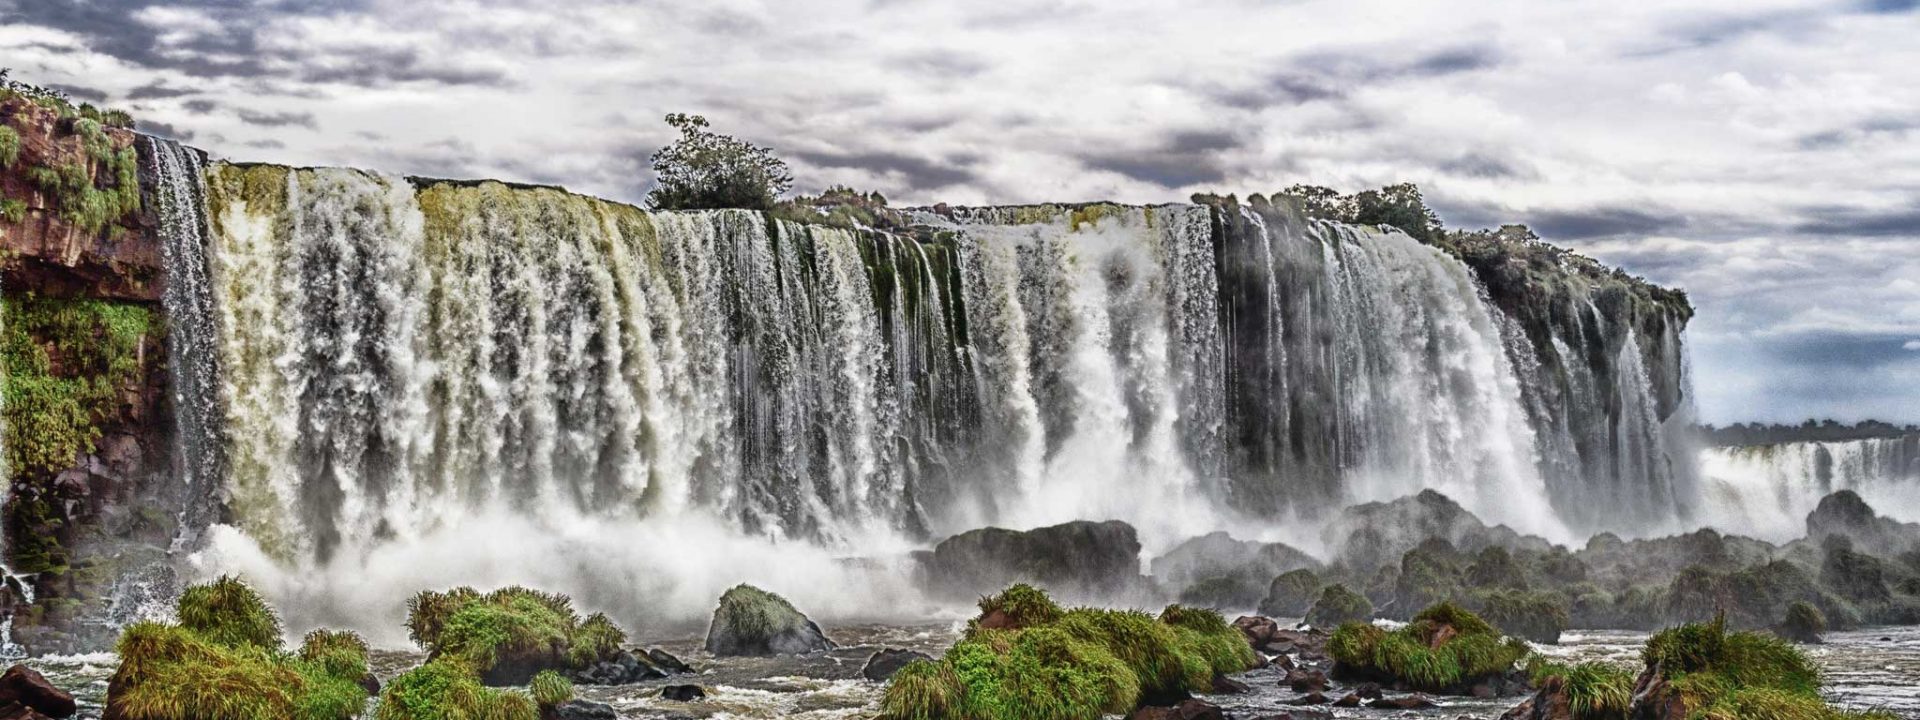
(1876, 667)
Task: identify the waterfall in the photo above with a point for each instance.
(1768, 490)
(193, 351)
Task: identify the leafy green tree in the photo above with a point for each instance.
(1401, 206)
(706, 170)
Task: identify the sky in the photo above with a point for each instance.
(1763, 155)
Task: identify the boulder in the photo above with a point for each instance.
(27, 688)
(1223, 685)
(1218, 555)
(1843, 513)
(1312, 698)
(1259, 630)
(683, 693)
(579, 710)
(884, 663)
(1373, 534)
(1291, 594)
(751, 621)
(16, 711)
(624, 668)
(1306, 680)
(1186, 710)
(1551, 702)
(1350, 700)
(667, 663)
(1076, 559)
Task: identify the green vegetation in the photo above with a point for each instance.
(1445, 648)
(1223, 593)
(1339, 605)
(1536, 616)
(842, 207)
(94, 192)
(13, 211)
(1803, 623)
(1717, 675)
(510, 634)
(706, 170)
(1595, 690)
(550, 688)
(448, 689)
(1025, 657)
(9, 146)
(217, 665)
(58, 101)
(1400, 206)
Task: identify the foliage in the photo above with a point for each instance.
(510, 633)
(1291, 594)
(550, 688)
(842, 207)
(57, 100)
(228, 612)
(1803, 623)
(1400, 206)
(1041, 662)
(13, 211)
(1738, 676)
(449, 690)
(1444, 648)
(9, 146)
(1595, 690)
(1339, 605)
(221, 663)
(1536, 616)
(704, 170)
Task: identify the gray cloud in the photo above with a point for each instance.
(158, 91)
(153, 127)
(918, 172)
(277, 119)
(1581, 224)
(1858, 221)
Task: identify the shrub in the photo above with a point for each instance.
(1736, 676)
(1445, 648)
(1803, 623)
(228, 612)
(223, 662)
(13, 211)
(1595, 690)
(9, 146)
(706, 170)
(1291, 594)
(550, 688)
(1339, 605)
(1046, 663)
(450, 690)
(509, 634)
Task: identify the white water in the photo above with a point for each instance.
(1766, 491)
(486, 385)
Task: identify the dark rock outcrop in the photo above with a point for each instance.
(1072, 560)
(1219, 556)
(1845, 514)
(882, 664)
(579, 710)
(1551, 702)
(1186, 710)
(751, 621)
(26, 689)
(624, 668)
(1378, 533)
(683, 693)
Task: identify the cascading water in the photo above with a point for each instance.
(1768, 490)
(422, 382)
(193, 350)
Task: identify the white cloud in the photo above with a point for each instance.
(1912, 345)
(1758, 154)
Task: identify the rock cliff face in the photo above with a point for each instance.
(87, 412)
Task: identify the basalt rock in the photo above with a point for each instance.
(579, 710)
(751, 621)
(683, 693)
(25, 688)
(1076, 559)
(885, 662)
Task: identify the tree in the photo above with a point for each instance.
(706, 170)
(1400, 206)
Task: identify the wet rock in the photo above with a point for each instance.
(1312, 698)
(883, 664)
(1260, 631)
(667, 663)
(1367, 690)
(1306, 680)
(1186, 710)
(1223, 685)
(579, 710)
(1550, 703)
(1348, 701)
(16, 711)
(751, 621)
(1403, 702)
(1076, 559)
(624, 668)
(29, 689)
(683, 693)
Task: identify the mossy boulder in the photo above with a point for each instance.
(1702, 671)
(1536, 616)
(1231, 592)
(510, 634)
(224, 661)
(1445, 649)
(1026, 658)
(1804, 623)
(1291, 594)
(1338, 605)
(751, 621)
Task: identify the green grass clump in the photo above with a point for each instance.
(1338, 605)
(450, 690)
(1418, 655)
(221, 663)
(550, 688)
(1080, 664)
(1719, 675)
(509, 634)
(13, 211)
(9, 146)
(1021, 605)
(228, 612)
(1595, 690)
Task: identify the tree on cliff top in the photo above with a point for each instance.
(1400, 206)
(705, 170)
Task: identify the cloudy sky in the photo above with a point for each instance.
(1764, 155)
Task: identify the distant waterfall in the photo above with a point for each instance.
(1768, 490)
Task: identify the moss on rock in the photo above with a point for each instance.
(751, 621)
(510, 634)
(448, 689)
(1702, 671)
(1338, 605)
(1444, 649)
